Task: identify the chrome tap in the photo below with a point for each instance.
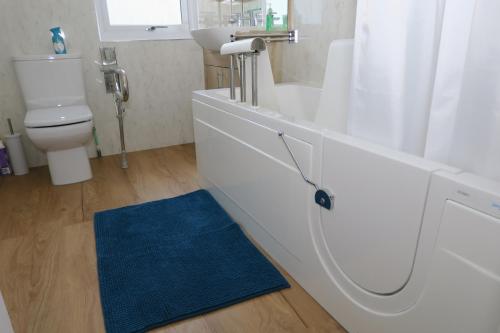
(239, 19)
(255, 17)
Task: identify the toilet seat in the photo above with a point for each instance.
(57, 116)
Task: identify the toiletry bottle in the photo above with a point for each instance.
(285, 22)
(269, 19)
(58, 40)
(4, 161)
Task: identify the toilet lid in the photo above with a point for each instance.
(64, 115)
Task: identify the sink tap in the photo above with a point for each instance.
(255, 16)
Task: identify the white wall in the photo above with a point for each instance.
(162, 74)
(319, 22)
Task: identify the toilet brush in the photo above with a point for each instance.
(15, 151)
(11, 129)
(96, 141)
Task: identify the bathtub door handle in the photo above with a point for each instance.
(322, 197)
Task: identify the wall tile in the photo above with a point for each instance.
(162, 75)
(319, 23)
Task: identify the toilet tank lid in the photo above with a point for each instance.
(32, 57)
(57, 116)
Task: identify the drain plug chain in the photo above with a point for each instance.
(322, 196)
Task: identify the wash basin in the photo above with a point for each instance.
(214, 38)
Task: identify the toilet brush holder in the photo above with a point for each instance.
(17, 157)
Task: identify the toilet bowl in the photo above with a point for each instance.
(62, 133)
(58, 121)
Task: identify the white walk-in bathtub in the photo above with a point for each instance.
(409, 246)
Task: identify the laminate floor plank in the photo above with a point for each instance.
(109, 188)
(15, 279)
(48, 272)
(19, 198)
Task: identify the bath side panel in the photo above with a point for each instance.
(249, 164)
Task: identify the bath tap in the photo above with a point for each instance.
(242, 49)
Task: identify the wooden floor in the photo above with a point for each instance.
(48, 271)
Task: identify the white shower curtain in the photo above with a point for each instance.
(426, 80)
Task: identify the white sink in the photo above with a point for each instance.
(214, 38)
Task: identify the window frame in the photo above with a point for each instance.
(122, 33)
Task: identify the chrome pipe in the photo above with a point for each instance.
(255, 96)
(120, 113)
(243, 78)
(232, 79)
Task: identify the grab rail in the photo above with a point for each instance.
(291, 36)
(117, 84)
(121, 96)
(121, 83)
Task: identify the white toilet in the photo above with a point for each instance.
(58, 119)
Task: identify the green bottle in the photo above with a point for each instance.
(285, 22)
(269, 19)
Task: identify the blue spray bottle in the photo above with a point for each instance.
(58, 40)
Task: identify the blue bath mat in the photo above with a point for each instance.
(169, 260)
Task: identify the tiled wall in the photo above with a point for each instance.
(319, 22)
(162, 75)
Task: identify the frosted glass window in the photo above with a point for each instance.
(126, 20)
(144, 12)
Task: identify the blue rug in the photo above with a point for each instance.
(169, 260)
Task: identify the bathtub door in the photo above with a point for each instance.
(371, 234)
